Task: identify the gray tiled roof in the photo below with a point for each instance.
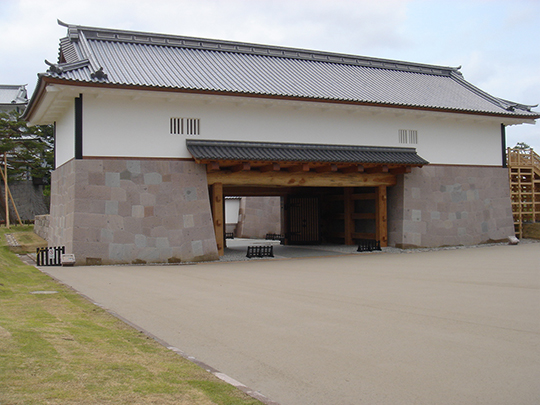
(129, 58)
(208, 150)
(13, 94)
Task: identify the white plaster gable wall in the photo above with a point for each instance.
(138, 126)
(65, 136)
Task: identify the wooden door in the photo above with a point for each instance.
(303, 220)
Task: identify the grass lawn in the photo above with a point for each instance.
(58, 348)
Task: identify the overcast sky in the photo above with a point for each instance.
(495, 41)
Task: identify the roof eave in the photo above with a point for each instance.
(32, 112)
(44, 79)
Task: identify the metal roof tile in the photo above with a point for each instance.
(156, 60)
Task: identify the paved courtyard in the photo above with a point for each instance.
(441, 327)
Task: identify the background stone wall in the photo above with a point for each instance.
(259, 216)
(450, 206)
(29, 200)
(132, 211)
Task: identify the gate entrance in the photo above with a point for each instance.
(303, 220)
(286, 170)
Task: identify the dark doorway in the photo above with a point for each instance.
(303, 221)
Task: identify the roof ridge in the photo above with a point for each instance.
(139, 37)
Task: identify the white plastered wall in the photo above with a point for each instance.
(232, 207)
(137, 125)
(65, 136)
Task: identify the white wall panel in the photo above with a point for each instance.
(65, 136)
(139, 127)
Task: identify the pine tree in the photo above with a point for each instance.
(29, 150)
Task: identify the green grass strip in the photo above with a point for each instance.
(61, 349)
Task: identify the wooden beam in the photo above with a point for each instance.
(378, 169)
(381, 222)
(273, 167)
(244, 166)
(401, 170)
(212, 166)
(304, 167)
(353, 169)
(218, 217)
(348, 212)
(301, 179)
(326, 168)
(254, 191)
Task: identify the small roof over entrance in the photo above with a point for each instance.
(234, 168)
(273, 156)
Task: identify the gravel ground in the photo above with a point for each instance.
(236, 249)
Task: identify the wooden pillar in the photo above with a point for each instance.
(285, 218)
(217, 214)
(381, 221)
(348, 215)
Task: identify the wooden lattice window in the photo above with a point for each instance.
(185, 126)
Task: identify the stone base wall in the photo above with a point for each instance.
(41, 226)
(259, 216)
(112, 211)
(450, 206)
(63, 206)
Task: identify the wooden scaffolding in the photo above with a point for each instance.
(524, 172)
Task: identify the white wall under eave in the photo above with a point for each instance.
(138, 126)
(65, 136)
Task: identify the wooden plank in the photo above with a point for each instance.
(381, 223)
(348, 211)
(301, 179)
(218, 217)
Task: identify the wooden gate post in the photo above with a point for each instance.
(217, 214)
(348, 217)
(381, 222)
